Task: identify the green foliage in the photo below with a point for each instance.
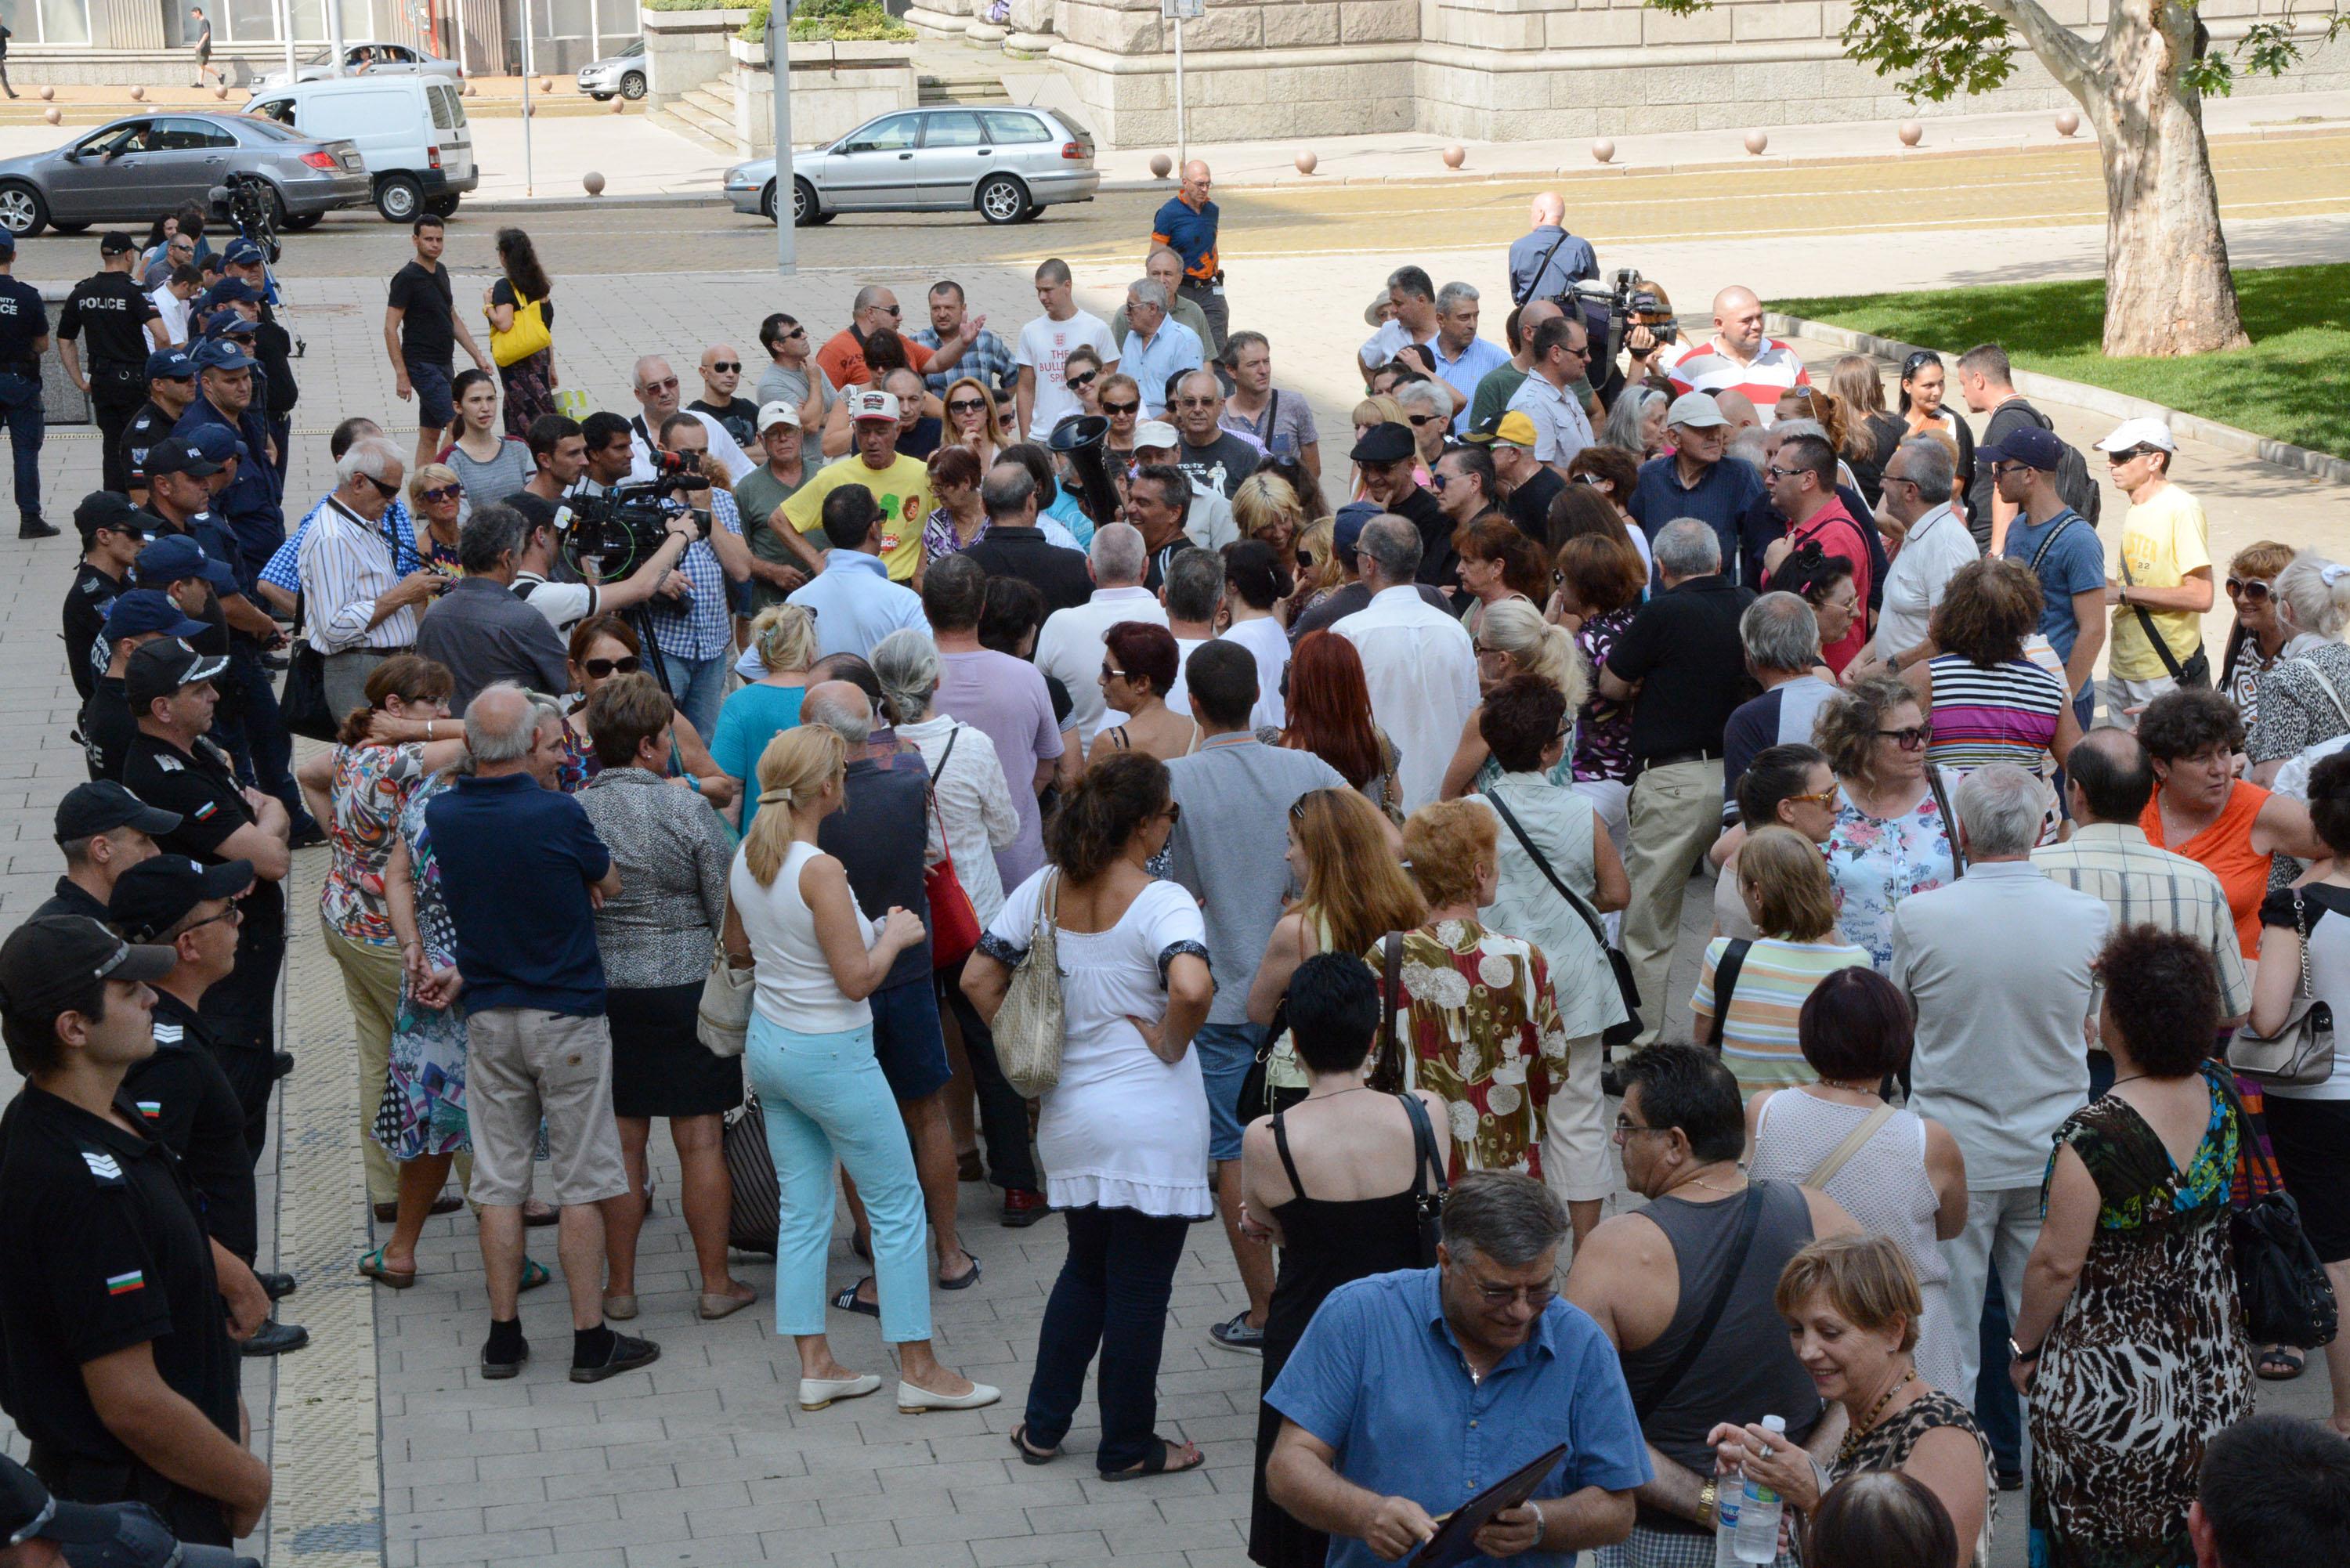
(690, 5)
(2299, 318)
(842, 21)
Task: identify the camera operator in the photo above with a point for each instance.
(693, 635)
(567, 603)
(1549, 261)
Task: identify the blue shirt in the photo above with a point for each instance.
(1189, 235)
(1721, 499)
(2073, 565)
(285, 568)
(1070, 514)
(251, 502)
(1466, 371)
(702, 626)
(1175, 348)
(1573, 260)
(857, 605)
(516, 861)
(1379, 1378)
(752, 716)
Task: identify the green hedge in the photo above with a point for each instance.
(860, 21)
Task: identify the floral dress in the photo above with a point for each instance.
(1876, 862)
(371, 785)
(1480, 1028)
(424, 1109)
(1603, 730)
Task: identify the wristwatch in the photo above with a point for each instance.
(1708, 1502)
(2017, 1352)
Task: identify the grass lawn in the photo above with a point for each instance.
(2290, 384)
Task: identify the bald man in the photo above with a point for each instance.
(1186, 224)
(721, 399)
(656, 386)
(1738, 358)
(1545, 262)
(874, 309)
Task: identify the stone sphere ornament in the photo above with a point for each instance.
(619, 106)
(1757, 143)
(1911, 133)
(1455, 156)
(593, 181)
(220, 92)
(51, 115)
(1305, 162)
(139, 95)
(545, 85)
(2067, 123)
(48, 93)
(1603, 151)
(1159, 165)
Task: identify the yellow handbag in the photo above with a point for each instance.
(527, 337)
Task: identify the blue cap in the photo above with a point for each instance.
(7, 242)
(1346, 526)
(229, 291)
(2026, 445)
(215, 443)
(241, 252)
(148, 610)
(174, 558)
(217, 355)
(229, 324)
(170, 365)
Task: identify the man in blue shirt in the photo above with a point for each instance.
(1544, 262)
(1186, 224)
(855, 603)
(520, 865)
(1697, 479)
(1415, 1391)
(1158, 347)
(2062, 549)
(1462, 358)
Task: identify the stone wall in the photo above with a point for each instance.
(684, 50)
(836, 88)
(1513, 70)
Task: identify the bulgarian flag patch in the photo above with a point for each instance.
(123, 1284)
(150, 1109)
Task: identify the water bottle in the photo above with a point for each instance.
(1757, 1540)
(1725, 1519)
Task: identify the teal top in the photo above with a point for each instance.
(752, 717)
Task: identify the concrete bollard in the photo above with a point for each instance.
(1455, 156)
(594, 183)
(1757, 143)
(1305, 162)
(1603, 151)
(1159, 165)
(1911, 133)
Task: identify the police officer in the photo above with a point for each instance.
(110, 1312)
(124, 327)
(107, 729)
(176, 567)
(180, 1091)
(103, 830)
(171, 692)
(111, 538)
(250, 503)
(244, 261)
(24, 338)
(170, 388)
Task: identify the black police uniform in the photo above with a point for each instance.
(101, 1250)
(212, 539)
(84, 622)
(240, 1012)
(115, 310)
(187, 1101)
(274, 346)
(24, 322)
(72, 899)
(151, 424)
(107, 729)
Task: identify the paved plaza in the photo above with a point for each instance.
(388, 1447)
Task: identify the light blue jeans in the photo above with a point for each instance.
(824, 1094)
(698, 687)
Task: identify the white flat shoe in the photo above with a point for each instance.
(816, 1393)
(913, 1401)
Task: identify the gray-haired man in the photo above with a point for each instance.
(1920, 477)
(1782, 638)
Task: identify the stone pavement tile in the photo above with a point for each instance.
(834, 1483)
(934, 1555)
(1209, 1504)
(548, 1515)
(1218, 1557)
(691, 1495)
(814, 1545)
(432, 1524)
(759, 1518)
(898, 1506)
(1107, 1516)
(504, 1491)
(600, 1434)
(1018, 1550)
(474, 1547)
(701, 1554)
(962, 1525)
(1190, 1535)
(1033, 1490)
(613, 1483)
(533, 1462)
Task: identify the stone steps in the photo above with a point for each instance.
(964, 86)
(706, 115)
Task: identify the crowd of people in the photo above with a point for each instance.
(966, 761)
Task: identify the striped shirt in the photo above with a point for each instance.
(1775, 369)
(2006, 714)
(1758, 1039)
(285, 568)
(2145, 885)
(346, 563)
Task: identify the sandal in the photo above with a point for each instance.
(533, 1274)
(965, 1280)
(372, 1265)
(846, 1300)
(2280, 1363)
(1156, 1465)
(1029, 1455)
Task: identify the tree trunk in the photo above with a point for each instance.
(2169, 291)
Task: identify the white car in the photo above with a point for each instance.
(362, 59)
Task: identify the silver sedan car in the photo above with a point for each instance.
(1007, 164)
(129, 171)
(358, 59)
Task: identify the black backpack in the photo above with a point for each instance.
(2073, 482)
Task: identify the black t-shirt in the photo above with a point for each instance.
(23, 321)
(1440, 564)
(106, 728)
(503, 293)
(1059, 573)
(186, 1100)
(739, 418)
(1529, 503)
(1684, 644)
(202, 788)
(922, 439)
(85, 620)
(276, 356)
(114, 310)
(428, 332)
(1219, 466)
(148, 425)
(2005, 419)
(887, 801)
(99, 1250)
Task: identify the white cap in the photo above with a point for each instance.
(1696, 410)
(778, 412)
(2140, 432)
(1156, 433)
(873, 405)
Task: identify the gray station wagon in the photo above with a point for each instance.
(1007, 164)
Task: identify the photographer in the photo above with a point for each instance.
(567, 603)
(693, 634)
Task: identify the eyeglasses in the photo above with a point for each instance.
(1173, 814)
(2250, 589)
(234, 915)
(389, 492)
(2002, 470)
(443, 493)
(1083, 378)
(1825, 797)
(1775, 471)
(966, 405)
(666, 385)
(1625, 1127)
(1535, 1296)
(1596, 482)
(1110, 407)
(1850, 607)
(725, 367)
(605, 669)
(1910, 739)
(1195, 402)
(2116, 459)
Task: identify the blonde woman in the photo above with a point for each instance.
(792, 919)
(437, 497)
(1514, 639)
(971, 421)
(1369, 414)
(1319, 571)
(1787, 891)
(1267, 508)
(784, 637)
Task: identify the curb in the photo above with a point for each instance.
(583, 203)
(2317, 465)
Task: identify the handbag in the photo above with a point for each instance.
(2280, 1283)
(302, 703)
(1028, 1026)
(527, 337)
(954, 923)
(1627, 1031)
(2302, 1049)
(721, 1021)
(1428, 1204)
(1725, 986)
(755, 1212)
(1388, 1074)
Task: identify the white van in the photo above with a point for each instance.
(410, 129)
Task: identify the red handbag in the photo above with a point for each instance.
(954, 923)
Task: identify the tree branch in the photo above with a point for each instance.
(2061, 50)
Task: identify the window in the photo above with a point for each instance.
(1005, 127)
(268, 122)
(959, 128)
(895, 134)
(46, 21)
(187, 136)
(444, 106)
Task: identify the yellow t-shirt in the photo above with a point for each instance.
(902, 491)
(2162, 540)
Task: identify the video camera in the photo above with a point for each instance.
(252, 206)
(617, 532)
(1609, 310)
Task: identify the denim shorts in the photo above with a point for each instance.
(435, 409)
(907, 1039)
(1227, 1051)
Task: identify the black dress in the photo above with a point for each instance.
(1323, 1245)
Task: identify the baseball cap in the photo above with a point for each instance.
(218, 444)
(778, 412)
(101, 806)
(170, 365)
(157, 894)
(872, 405)
(229, 291)
(229, 324)
(162, 667)
(28, 1512)
(108, 510)
(177, 454)
(115, 243)
(2132, 433)
(1347, 527)
(2026, 445)
(1516, 429)
(1156, 433)
(46, 961)
(241, 252)
(7, 243)
(175, 557)
(217, 355)
(1696, 410)
(1388, 442)
(142, 610)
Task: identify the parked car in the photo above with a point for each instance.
(1009, 163)
(411, 132)
(362, 59)
(128, 171)
(623, 74)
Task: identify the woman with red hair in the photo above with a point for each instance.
(1330, 715)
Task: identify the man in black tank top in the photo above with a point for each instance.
(1684, 1287)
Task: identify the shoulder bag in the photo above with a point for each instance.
(303, 703)
(954, 923)
(753, 1215)
(1825, 1172)
(1028, 1026)
(1725, 986)
(2302, 1050)
(1949, 820)
(527, 337)
(721, 1021)
(2280, 1285)
(1694, 1347)
(1426, 1201)
(2195, 675)
(1622, 1033)
(1388, 1073)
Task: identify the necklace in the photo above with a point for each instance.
(1710, 1187)
(1334, 1093)
(1861, 1428)
(1848, 1089)
(2118, 1083)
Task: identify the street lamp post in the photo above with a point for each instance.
(779, 50)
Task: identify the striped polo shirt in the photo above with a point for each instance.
(2006, 714)
(1775, 370)
(1758, 1043)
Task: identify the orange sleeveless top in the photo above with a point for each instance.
(2225, 849)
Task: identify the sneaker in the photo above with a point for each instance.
(1023, 1208)
(275, 1338)
(33, 528)
(628, 1353)
(1234, 1334)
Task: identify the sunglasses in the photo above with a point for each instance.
(725, 367)
(1910, 739)
(966, 405)
(888, 310)
(1596, 481)
(1110, 674)
(605, 669)
(1423, 419)
(1110, 407)
(1825, 797)
(2116, 459)
(1195, 402)
(1919, 361)
(795, 332)
(389, 492)
(668, 385)
(1084, 380)
(443, 493)
(2248, 589)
